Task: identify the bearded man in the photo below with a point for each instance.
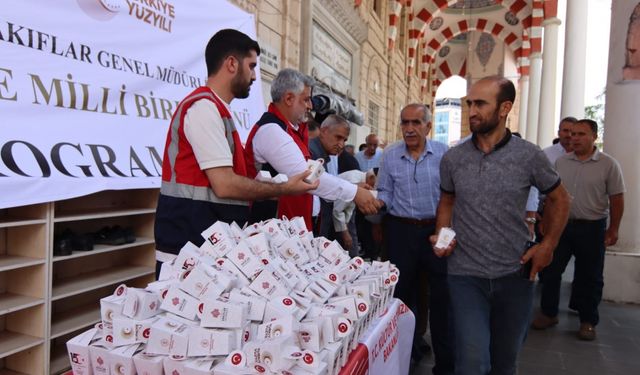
(484, 188)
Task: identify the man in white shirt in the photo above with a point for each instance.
(279, 143)
(204, 173)
(553, 152)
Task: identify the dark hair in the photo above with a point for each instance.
(570, 119)
(592, 124)
(516, 134)
(225, 43)
(555, 140)
(507, 91)
(362, 146)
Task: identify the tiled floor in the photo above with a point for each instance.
(557, 351)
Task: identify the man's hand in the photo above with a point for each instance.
(611, 236)
(296, 184)
(541, 255)
(366, 202)
(442, 252)
(346, 239)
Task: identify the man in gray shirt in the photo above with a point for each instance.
(485, 184)
(594, 180)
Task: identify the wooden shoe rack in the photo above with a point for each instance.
(47, 299)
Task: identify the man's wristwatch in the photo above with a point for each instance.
(531, 220)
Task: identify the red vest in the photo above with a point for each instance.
(187, 204)
(288, 205)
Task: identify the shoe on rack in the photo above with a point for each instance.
(587, 332)
(542, 321)
(82, 242)
(63, 243)
(109, 236)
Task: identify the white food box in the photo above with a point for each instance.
(285, 326)
(310, 335)
(180, 303)
(445, 236)
(141, 304)
(280, 178)
(188, 257)
(174, 365)
(130, 331)
(219, 314)
(316, 167)
(201, 366)
(281, 307)
(246, 260)
(121, 360)
(218, 240)
(148, 364)
(168, 337)
(255, 304)
(99, 354)
(110, 307)
(208, 342)
(269, 284)
(263, 176)
(78, 349)
(204, 282)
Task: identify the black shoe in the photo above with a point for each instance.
(82, 242)
(63, 243)
(113, 236)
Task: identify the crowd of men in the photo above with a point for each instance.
(476, 294)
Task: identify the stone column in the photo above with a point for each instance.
(575, 52)
(533, 103)
(523, 84)
(547, 118)
(621, 135)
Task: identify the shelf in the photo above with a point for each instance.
(9, 372)
(10, 262)
(10, 302)
(99, 249)
(8, 222)
(11, 343)
(97, 279)
(99, 214)
(59, 360)
(74, 319)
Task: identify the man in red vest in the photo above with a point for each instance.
(204, 172)
(279, 143)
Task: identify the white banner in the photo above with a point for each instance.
(88, 87)
(385, 348)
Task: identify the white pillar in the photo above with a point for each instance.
(575, 52)
(547, 118)
(524, 98)
(533, 104)
(621, 134)
(621, 131)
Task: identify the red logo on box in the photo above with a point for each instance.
(175, 301)
(287, 301)
(236, 359)
(342, 328)
(308, 359)
(215, 313)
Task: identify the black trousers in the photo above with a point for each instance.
(410, 250)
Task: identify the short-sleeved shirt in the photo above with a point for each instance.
(590, 183)
(408, 187)
(367, 163)
(204, 129)
(491, 193)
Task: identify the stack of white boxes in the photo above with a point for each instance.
(269, 298)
